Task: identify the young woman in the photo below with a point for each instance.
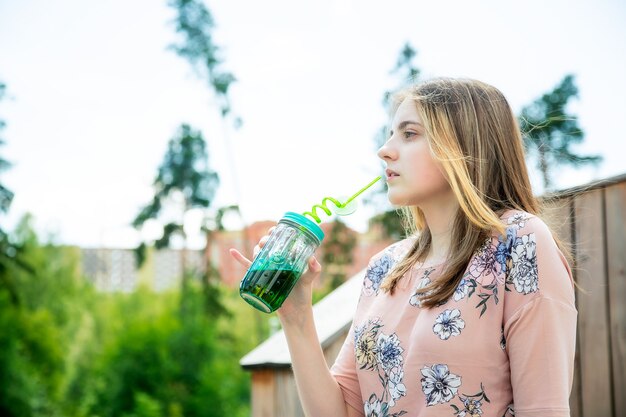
(474, 313)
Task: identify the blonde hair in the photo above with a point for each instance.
(474, 135)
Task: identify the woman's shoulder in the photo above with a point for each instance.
(528, 235)
(516, 217)
(534, 262)
(522, 222)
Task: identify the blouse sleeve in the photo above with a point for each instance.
(344, 371)
(539, 323)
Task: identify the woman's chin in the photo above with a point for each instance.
(397, 200)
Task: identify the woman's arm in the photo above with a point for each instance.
(319, 392)
(540, 324)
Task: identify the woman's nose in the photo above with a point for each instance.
(386, 152)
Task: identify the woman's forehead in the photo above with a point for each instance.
(406, 113)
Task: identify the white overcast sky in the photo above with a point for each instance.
(94, 95)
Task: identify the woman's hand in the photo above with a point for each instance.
(302, 293)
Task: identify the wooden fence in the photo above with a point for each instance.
(592, 220)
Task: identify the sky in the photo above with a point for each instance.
(94, 96)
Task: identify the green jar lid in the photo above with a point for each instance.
(306, 223)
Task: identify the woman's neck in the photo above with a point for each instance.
(439, 217)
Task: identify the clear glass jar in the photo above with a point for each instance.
(281, 262)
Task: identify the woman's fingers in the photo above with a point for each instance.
(261, 243)
(240, 258)
(245, 261)
(314, 265)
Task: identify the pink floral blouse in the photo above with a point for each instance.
(502, 345)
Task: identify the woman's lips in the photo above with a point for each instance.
(391, 174)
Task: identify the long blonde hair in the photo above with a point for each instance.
(473, 133)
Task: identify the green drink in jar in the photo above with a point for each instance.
(281, 262)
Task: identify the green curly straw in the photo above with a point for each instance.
(313, 213)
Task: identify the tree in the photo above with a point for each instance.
(37, 331)
(195, 24)
(184, 175)
(152, 361)
(407, 73)
(549, 131)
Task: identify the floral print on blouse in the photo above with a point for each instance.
(484, 352)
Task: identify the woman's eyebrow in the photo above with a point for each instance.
(405, 123)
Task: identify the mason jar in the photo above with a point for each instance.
(280, 263)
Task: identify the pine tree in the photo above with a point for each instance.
(195, 25)
(550, 131)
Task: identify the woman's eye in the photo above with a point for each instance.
(409, 134)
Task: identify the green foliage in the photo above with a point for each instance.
(145, 406)
(212, 293)
(164, 363)
(155, 361)
(29, 358)
(550, 131)
(36, 318)
(68, 350)
(195, 25)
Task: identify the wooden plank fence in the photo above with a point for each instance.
(592, 221)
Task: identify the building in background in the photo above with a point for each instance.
(116, 269)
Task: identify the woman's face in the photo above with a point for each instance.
(414, 177)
